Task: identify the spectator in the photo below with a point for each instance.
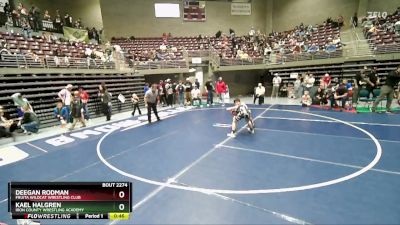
(161, 92)
(188, 90)
(326, 81)
(297, 88)
(135, 102)
(4, 49)
(30, 122)
(397, 27)
(34, 18)
(309, 82)
(180, 89)
(151, 98)
(340, 21)
(105, 98)
(169, 92)
(276, 82)
(65, 96)
(26, 29)
(259, 93)
(354, 20)
(330, 47)
(68, 20)
(372, 31)
(221, 89)
(372, 80)
(313, 48)
(20, 102)
(84, 96)
(387, 90)
(306, 99)
(77, 111)
(7, 11)
(197, 83)
(209, 87)
(320, 97)
(16, 16)
(58, 22)
(22, 11)
(341, 94)
(146, 87)
(46, 15)
(174, 93)
(61, 114)
(7, 127)
(196, 96)
(284, 91)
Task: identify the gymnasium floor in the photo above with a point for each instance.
(302, 166)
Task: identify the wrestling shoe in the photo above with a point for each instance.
(231, 134)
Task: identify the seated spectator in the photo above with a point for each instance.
(341, 94)
(61, 114)
(7, 127)
(4, 49)
(32, 55)
(330, 47)
(306, 99)
(20, 102)
(267, 50)
(320, 97)
(30, 122)
(313, 48)
(373, 30)
(196, 95)
(336, 40)
(397, 27)
(163, 47)
(284, 91)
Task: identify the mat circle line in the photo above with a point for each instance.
(257, 191)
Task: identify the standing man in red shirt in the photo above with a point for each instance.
(221, 90)
(85, 99)
(326, 81)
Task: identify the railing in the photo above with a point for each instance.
(238, 62)
(151, 65)
(387, 48)
(198, 53)
(276, 58)
(23, 61)
(215, 60)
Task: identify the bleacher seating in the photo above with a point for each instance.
(21, 48)
(340, 70)
(385, 40)
(145, 49)
(42, 89)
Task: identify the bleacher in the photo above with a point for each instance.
(21, 50)
(41, 90)
(345, 70)
(385, 41)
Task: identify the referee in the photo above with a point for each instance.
(151, 99)
(387, 90)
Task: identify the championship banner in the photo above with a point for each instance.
(2, 4)
(194, 11)
(77, 35)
